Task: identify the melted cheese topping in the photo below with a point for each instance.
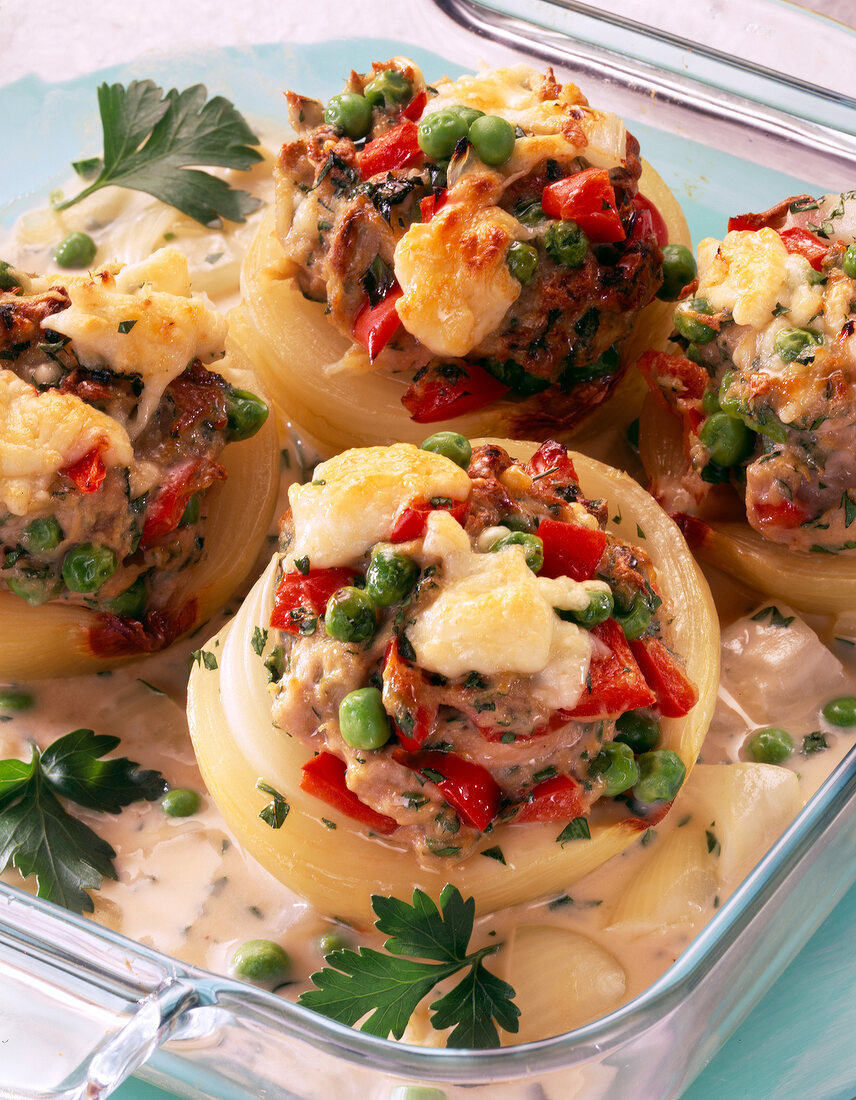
(353, 499)
(494, 615)
(42, 433)
(168, 331)
(746, 273)
(457, 286)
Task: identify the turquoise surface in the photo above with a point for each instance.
(797, 1044)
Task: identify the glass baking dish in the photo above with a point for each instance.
(91, 1007)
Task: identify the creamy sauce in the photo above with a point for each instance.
(185, 887)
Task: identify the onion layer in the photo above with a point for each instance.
(338, 870)
(293, 346)
(55, 639)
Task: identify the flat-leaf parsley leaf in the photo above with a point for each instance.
(151, 139)
(38, 836)
(386, 988)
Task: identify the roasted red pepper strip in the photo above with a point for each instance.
(402, 683)
(802, 243)
(164, 512)
(412, 521)
(415, 107)
(783, 514)
(588, 198)
(676, 696)
(374, 326)
(615, 682)
(556, 799)
(88, 473)
(469, 788)
(396, 148)
(441, 397)
(299, 594)
(324, 777)
(429, 206)
(552, 456)
(570, 550)
(649, 222)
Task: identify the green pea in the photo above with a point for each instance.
(333, 941)
(15, 700)
(245, 413)
(689, 327)
(351, 615)
(492, 138)
(350, 113)
(388, 89)
(518, 523)
(439, 133)
(522, 261)
(796, 343)
(190, 515)
(530, 214)
(533, 547)
(616, 765)
(132, 602)
(769, 745)
(661, 774)
(87, 566)
(598, 610)
(75, 250)
(181, 802)
(8, 277)
(42, 534)
(710, 402)
(693, 353)
(416, 1092)
(390, 576)
(679, 268)
(451, 445)
(638, 730)
(34, 587)
(636, 621)
(363, 722)
(261, 961)
(468, 114)
(848, 261)
(566, 244)
(728, 439)
(841, 711)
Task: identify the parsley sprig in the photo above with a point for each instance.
(38, 836)
(388, 987)
(151, 139)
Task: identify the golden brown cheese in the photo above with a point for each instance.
(41, 434)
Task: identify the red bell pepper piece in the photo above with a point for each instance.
(672, 374)
(556, 799)
(402, 682)
(469, 788)
(649, 222)
(396, 148)
(552, 456)
(452, 392)
(615, 682)
(411, 522)
(676, 696)
(802, 243)
(88, 473)
(569, 550)
(415, 107)
(783, 514)
(374, 326)
(743, 223)
(588, 198)
(429, 206)
(299, 595)
(164, 512)
(324, 777)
